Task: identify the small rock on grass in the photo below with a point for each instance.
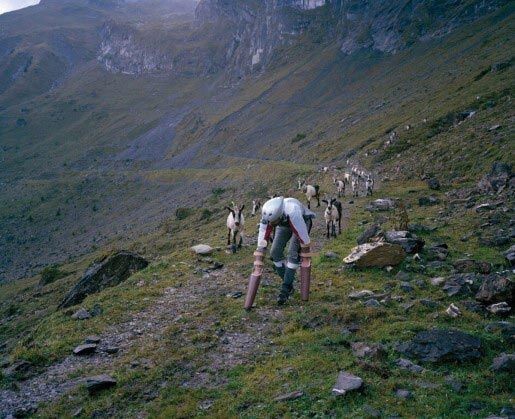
(406, 364)
(356, 295)
(403, 394)
(112, 349)
(81, 314)
(453, 311)
(289, 396)
(85, 349)
(92, 339)
(437, 281)
(499, 308)
(371, 411)
(98, 383)
(346, 382)
(504, 363)
(372, 303)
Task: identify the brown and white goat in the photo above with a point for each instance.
(311, 191)
(333, 215)
(235, 226)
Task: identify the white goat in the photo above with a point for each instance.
(256, 204)
(355, 186)
(333, 215)
(369, 185)
(236, 226)
(311, 191)
(340, 187)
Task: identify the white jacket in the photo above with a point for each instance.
(293, 216)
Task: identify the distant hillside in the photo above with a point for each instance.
(107, 107)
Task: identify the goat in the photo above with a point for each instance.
(340, 187)
(235, 225)
(333, 215)
(311, 191)
(256, 204)
(369, 185)
(346, 178)
(355, 186)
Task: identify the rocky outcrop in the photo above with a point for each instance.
(107, 273)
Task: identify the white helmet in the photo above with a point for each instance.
(273, 209)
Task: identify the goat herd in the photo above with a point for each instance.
(357, 178)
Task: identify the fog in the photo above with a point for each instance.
(9, 5)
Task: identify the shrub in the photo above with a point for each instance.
(182, 213)
(298, 137)
(218, 191)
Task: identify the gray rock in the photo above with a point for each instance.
(496, 180)
(368, 234)
(289, 396)
(406, 287)
(510, 255)
(364, 350)
(202, 249)
(20, 368)
(437, 252)
(371, 411)
(376, 255)
(426, 201)
(112, 349)
(406, 364)
(409, 242)
(372, 303)
(504, 363)
(382, 204)
(462, 284)
(437, 281)
(507, 330)
(456, 385)
(485, 207)
(81, 314)
(438, 345)
(433, 184)
(499, 308)
(107, 273)
(85, 349)
(464, 266)
(497, 288)
(453, 311)
(473, 306)
(403, 394)
(92, 339)
(346, 382)
(97, 383)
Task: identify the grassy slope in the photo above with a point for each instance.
(308, 347)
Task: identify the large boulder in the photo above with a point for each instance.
(107, 273)
(378, 254)
(504, 363)
(497, 288)
(409, 242)
(438, 345)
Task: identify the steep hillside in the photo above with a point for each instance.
(133, 124)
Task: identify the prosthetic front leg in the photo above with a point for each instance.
(255, 278)
(305, 272)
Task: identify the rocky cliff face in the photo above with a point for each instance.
(244, 37)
